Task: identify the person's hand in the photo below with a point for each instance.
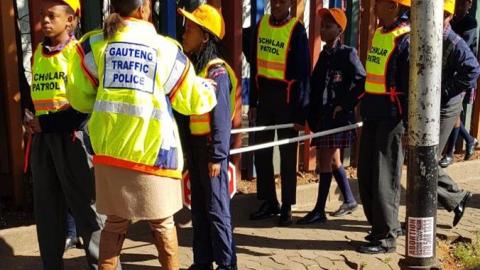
(213, 169)
(28, 128)
(252, 115)
(298, 127)
(336, 110)
(35, 125)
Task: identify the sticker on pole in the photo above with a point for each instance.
(421, 237)
(187, 189)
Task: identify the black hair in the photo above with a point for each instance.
(211, 50)
(121, 8)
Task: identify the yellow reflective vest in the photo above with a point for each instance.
(272, 48)
(200, 124)
(130, 83)
(383, 46)
(49, 71)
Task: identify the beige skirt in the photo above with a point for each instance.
(134, 195)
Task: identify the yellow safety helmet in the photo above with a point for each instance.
(75, 5)
(406, 3)
(449, 6)
(207, 17)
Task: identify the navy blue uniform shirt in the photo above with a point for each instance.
(220, 116)
(338, 79)
(460, 68)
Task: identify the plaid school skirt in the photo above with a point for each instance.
(339, 140)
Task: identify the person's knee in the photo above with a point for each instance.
(162, 225)
(116, 224)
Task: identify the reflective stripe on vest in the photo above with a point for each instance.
(179, 70)
(128, 109)
(200, 124)
(272, 48)
(383, 45)
(48, 89)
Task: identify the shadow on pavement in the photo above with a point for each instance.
(19, 262)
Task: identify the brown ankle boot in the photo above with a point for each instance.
(110, 247)
(167, 246)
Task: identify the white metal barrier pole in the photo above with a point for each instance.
(292, 140)
(262, 128)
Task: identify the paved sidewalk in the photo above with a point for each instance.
(262, 245)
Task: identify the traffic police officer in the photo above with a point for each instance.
(279, 95)
(209, 143)
(130, 78)
(460, 71)
(383, 108)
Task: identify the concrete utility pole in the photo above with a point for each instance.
(423, 132)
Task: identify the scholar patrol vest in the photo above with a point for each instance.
(272, 48)
(48, 89)
(383, 45)
(139, 75)
(200, 124)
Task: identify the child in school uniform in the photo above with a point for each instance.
(62, 178)
(337, 82)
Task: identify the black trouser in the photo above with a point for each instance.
(271, 115)
(62, 179)
(449, 194)
(211, 218)
(379, 172)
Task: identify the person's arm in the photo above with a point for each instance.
(188, 93)
(466, 70)
(82, 78)
(313, 116)
(220, 120)
(357, 88)
(403, 74)
(298, 70)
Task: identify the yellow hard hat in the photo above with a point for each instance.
(449, 6)
(406, 3)
(74, 4)
(207, 17)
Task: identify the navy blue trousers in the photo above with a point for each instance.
(211, 218)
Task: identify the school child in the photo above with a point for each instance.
(383, 110)
(465, 25)
(337, 81)
(62, 178)
(278, 95)
(460, 71)
(209, 143)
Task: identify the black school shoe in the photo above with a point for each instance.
(72, 242)
(230, 267)
(285, 217)
(460, 209)
(196, 266)
(345, 209)
(266, 210)
(313, 216)
(446, 161)
(399, 232)
(375, 248)
(470, 149)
